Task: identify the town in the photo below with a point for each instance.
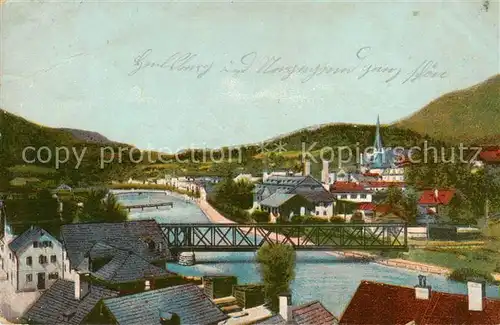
(117, 273)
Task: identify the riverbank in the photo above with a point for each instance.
(216, 217)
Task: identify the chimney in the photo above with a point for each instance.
(285, 304)
(436, 194)
(324, 174)
(82, 286)
(422, 290)
(307, 168)
(476, 292)
(147, 285)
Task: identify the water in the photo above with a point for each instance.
(319, 276)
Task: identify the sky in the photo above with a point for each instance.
(174, 75)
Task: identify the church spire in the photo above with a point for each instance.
(378, 138)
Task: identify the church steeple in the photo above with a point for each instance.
(378, 138)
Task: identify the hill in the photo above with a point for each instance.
(17, 134)
(87, 136)
(470, 116)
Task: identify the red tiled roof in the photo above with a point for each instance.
(347, 187)
(444, 197)
(371, 174)
(367, 206)
(379, 303)
(490, 156)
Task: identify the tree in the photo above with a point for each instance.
(5, 178)
(101, 206)
(277, 269)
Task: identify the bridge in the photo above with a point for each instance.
(137, 192)
(148, 205)
(234, 237)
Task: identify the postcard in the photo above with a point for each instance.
(249, 162)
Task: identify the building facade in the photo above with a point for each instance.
(32, 261)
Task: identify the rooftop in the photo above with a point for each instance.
(27, 238)
(380, 303)
(311, 313)
(59, 299)
(277, 199)
(80, 238)
(187, 301)
(444, 196)
(127, 267)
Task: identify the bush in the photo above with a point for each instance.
(297, 219)
(337, 220)
(231, 212)
(468, 274)
(260, 216)
(315, 220)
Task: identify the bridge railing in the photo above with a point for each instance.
(234, 237)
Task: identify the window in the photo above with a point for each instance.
(35, 244)
(317, 213)
(354, 196)
(343, 196)
(10, 256)
(53, 276)
(29, 277)
(53, 259)
(363, 196)
(47, 244)
(29, 260)
(324, 213)
(42, 259)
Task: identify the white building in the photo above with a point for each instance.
(350, 191)
(32, 261)
(393, 175)
(246, 177)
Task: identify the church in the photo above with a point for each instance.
(382, 161)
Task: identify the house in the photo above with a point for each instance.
(393, 175)
(310, 313)
(367, 210)
(433, 199)
(246, 177)
(66, 302)
(32, 261)
(286, 205)
(186, 303)
(380, 303)
(142, 237)
(350, 191)
(113, 266)
(377, 186)
(488, 156)
(285, 184)
(323, 201)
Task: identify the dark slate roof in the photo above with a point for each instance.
(127, 267)
(80, 238)
(60, 298)
(277, 199)
(315, 196)
(308, 314)
(27, 238)
(187, 301)
(284, 180)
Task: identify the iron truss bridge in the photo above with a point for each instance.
(234, 237)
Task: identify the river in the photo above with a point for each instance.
(319, 276)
